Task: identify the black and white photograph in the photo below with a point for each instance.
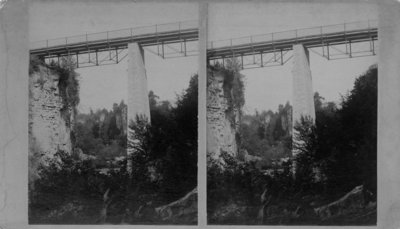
(292, 114)
(113, 113)
(199, 114)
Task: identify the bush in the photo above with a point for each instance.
(233, 181)
(67, 175)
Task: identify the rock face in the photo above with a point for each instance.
(50, 122)
(286, 119)
(352, 202)
(221, 130)
(183, 210)
(122, 122)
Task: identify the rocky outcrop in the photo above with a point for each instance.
(286, 119)
(182, 211)
(222, 119)
(121, 113)
(50, 119)
(123, 120)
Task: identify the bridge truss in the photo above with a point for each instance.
(172, 40)
(348, 40)
(165, 40)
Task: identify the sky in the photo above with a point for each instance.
(266, 88)
(102, 86)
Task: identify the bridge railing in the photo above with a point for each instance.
(294, 34)
(115, 34)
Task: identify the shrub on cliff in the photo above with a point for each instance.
(233, 87)
(68, 82)
(34, 63)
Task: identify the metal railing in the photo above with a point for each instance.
(318, 31)
(113, 34)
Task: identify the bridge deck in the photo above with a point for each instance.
(311, 41)
(183, 32)
(118, 43)
(160, 34)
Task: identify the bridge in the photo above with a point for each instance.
(94, 49)
(171, 40)
(347, 40)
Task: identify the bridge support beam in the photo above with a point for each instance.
(303, 95)
(138, 100)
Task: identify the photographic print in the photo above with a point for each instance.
(292, 114)
(113, 113)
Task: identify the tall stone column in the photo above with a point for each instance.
(138, 99)
(303, 94)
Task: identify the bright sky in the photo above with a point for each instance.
(102, 86)
(266, 88)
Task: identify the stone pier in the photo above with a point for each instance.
(303, 94)
(138, 99)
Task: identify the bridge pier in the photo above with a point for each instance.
(303, 94)
(138, 99)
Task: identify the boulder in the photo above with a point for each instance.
(182, 211)
(231, 213)
(353, 201)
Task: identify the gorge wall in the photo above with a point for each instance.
(51, 118)
(223, 118)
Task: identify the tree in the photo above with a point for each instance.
(305, 145)
(359, 118)
(168, 146)
(343, 142)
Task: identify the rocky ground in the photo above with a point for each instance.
(351, 209)
(86, 210)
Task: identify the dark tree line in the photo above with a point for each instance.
(343, 143)
(168, 146)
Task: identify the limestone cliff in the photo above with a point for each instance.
(223, 114)
(51, 117)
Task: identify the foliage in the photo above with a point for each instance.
(232, 181)
(334, 154)
(165, 152)
(66, 175)
(267, 133)
(101, 133)
(68, 85)
(359, 120)
(305, 145)
(34, 63)
(342, 144)
(67, 179)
